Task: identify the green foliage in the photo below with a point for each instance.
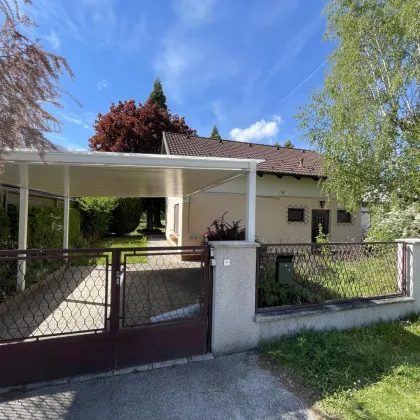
(45, 227)
(365, 373)
(320, 276)
(96, 216)
(215, 133)
(366, 119)
(4, 229)
(395, 224)
(157, 96)
(220, 230)
(288, 143)
(126, 216)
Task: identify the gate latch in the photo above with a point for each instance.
(118, 278)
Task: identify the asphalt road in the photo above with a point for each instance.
(230, 387)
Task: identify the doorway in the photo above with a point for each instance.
(320, 217)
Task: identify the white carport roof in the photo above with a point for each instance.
(87, 174)
(104, 174)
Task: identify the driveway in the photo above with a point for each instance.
(231, 387)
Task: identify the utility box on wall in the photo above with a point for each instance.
(284, 269)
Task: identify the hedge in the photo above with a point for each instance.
(126, 216)
(45, 226)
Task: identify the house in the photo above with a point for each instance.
(290, 204)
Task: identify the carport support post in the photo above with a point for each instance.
(23, 226)
(66, 209)
(251, 194)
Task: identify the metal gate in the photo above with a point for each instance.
(89, 310)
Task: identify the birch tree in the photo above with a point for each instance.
(366, 118)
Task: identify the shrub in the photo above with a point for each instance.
(126, 216)
(45, 227)
(397, 223)
(220, 230)
(4, 228)
(96, 216)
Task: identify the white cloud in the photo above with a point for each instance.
(84, 121)
(217, 109)
(257, 131)
(296, 45)
(64, 142)
(102, 84)
(194, 12)
(187, 59)
(184, 64)
(85, 23)
(53, 39)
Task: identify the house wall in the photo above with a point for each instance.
(170, 219)
(274, 196)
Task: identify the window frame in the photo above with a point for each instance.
(347, 221)
(296, 209)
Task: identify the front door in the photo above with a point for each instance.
(320, 217)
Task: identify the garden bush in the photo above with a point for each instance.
(399, 222)
(220, 230)
(45, 227)
(126, 216)
(96, 216)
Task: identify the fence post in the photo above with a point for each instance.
(412, 269)
(114, 323)
(233, 310)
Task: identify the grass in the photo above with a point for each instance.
(317, 279)
(365, 373)
(116, 242)
(125, 242)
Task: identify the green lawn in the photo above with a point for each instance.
(365, 373)
(125, 242)
(116, 242)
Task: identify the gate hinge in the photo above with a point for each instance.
(118, 278)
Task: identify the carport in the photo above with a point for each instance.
(92, 310)
(104, 174)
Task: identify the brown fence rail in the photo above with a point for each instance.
(69, 291)
(78, 311)
(295, 275)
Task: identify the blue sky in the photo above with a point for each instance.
(243, 65)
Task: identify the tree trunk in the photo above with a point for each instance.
(156, 215)
(149, 225)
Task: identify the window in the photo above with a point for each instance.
(176, 218)
(343, 216)
(295, 215)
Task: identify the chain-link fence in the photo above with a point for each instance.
(290, 275)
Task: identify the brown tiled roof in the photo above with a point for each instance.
(277, 160)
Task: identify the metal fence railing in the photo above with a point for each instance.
(295, 275)
(48, 293)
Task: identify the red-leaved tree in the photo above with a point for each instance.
(137, 128)
(29, 79)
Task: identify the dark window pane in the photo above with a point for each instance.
(343, 216)
(295, 215)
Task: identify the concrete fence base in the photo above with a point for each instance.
(236, 326)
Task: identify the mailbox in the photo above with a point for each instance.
(284, 269)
